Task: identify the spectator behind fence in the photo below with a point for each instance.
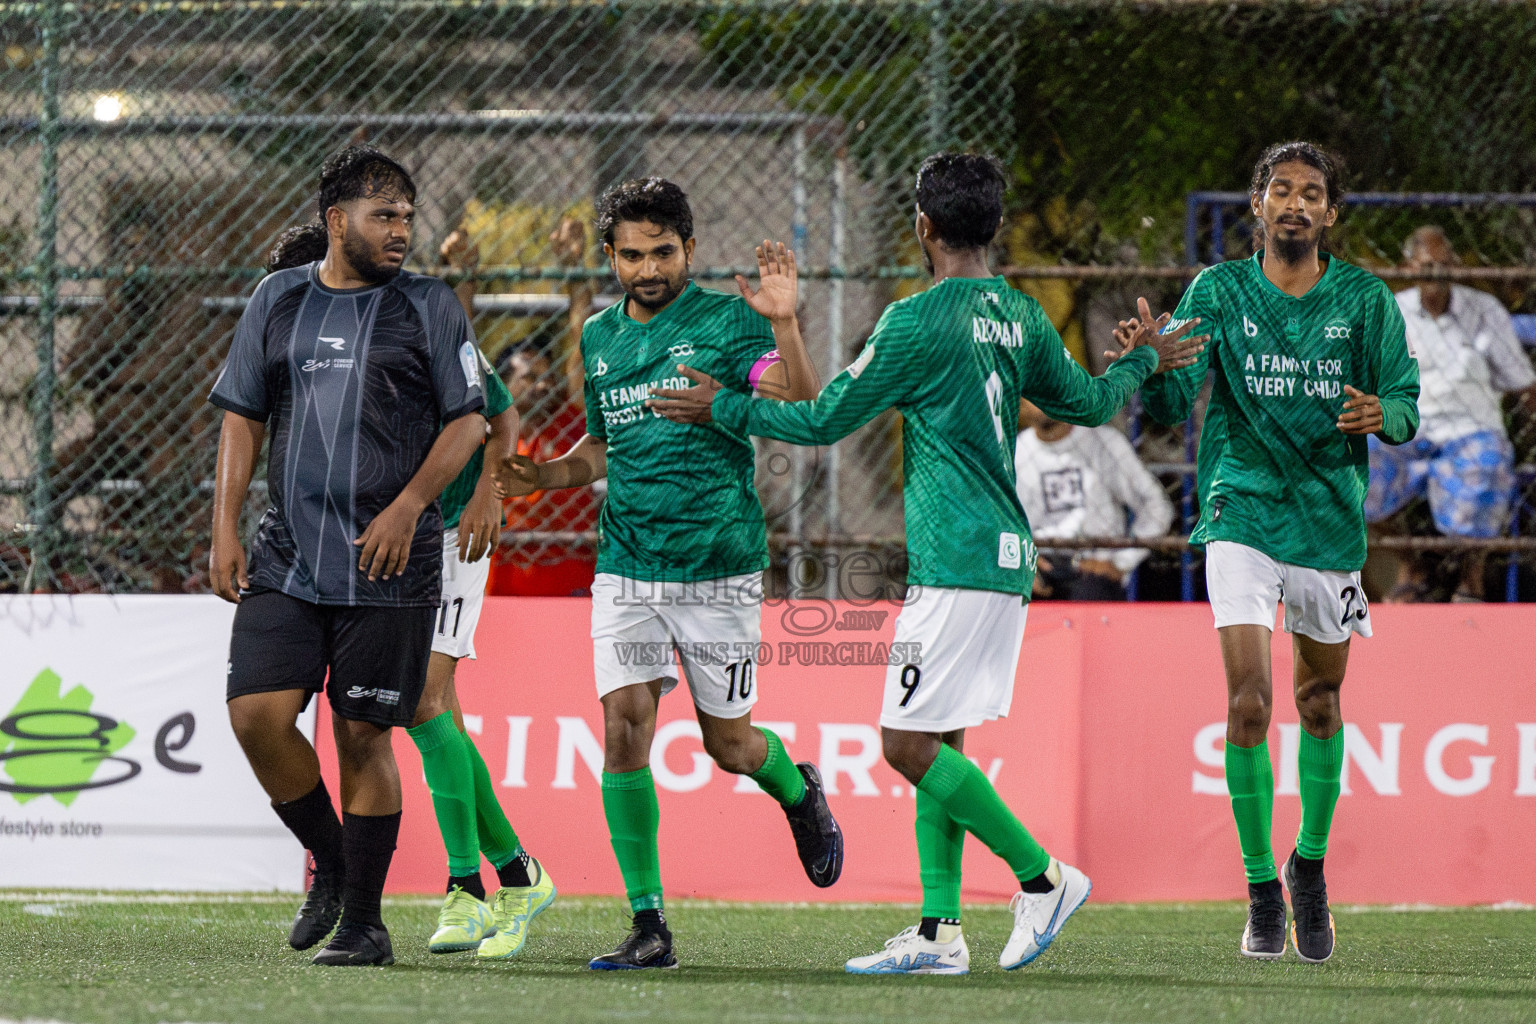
(552, 424)
(1080, 482)
(1461, 457)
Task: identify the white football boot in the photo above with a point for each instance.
(1038, 917)
(910, 953)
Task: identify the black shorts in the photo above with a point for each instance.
(376, 658)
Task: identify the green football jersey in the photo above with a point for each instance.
(457, 494)
(1275, 471)
(681, 502)
(955, 360)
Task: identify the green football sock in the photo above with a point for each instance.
(964, 793)
(940, 842)
(452, 784)
(778, 776)
(1320, 765)
(629, 804)
(498, 841)
(1251, 784)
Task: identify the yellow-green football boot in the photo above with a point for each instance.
(513, 910)
(462, 923)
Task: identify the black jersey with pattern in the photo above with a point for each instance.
(355, 386)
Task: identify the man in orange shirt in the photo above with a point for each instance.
(552, 424)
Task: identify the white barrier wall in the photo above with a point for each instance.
(118, 769)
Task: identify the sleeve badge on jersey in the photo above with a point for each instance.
(469, 359)
(857, 366)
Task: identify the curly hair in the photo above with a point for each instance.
(645, 199)
(361, 172)
(1300, 152)
(298, 246)
(962, 194)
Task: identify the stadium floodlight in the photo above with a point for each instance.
(109, 107)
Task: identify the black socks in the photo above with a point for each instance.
(1269, 890)
(652, 922)
(469, 883)
(929, 928)
(514, 873)
(312, 819)
(369, 844)
(1307, 869)
(1040, 883)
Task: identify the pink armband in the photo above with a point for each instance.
(761, 367)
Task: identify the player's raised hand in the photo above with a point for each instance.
(569, 241)
(1175, 349)
(1362, 412)
(386, 543)
(517, 476)
(691, 406)
(778, 289)
(459, 251)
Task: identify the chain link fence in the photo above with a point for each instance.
(152, 152)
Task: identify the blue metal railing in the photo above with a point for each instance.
(1217, 205)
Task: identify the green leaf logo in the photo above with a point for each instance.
(51, 743)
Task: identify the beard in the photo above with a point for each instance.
(671, 289)
(1295, 246)
(361, 257)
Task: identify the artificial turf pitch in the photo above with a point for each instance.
(69, 958)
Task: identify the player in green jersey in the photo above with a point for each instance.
(682, 543)
(469, 816)
(955, 360)
(1309, 357)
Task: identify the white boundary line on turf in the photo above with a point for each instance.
(88, 897)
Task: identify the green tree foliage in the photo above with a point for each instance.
(1122, 109)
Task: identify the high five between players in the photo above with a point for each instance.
(955, 360)
(1309, 358)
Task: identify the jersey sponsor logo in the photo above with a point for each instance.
(336, 343)
(601, 367)
(313, 365)
(627, 404)
(857, 366)
(1271, 376)
(1009, 552)
(469, 359)
(682, 350)
(997, 332)
(1249, 327)
(1336, 330)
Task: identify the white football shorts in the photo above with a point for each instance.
(642, 630)
(1245, 585)
(965, 646)
(463, 595)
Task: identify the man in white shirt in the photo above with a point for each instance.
(1080, 482)
(1461, 457)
